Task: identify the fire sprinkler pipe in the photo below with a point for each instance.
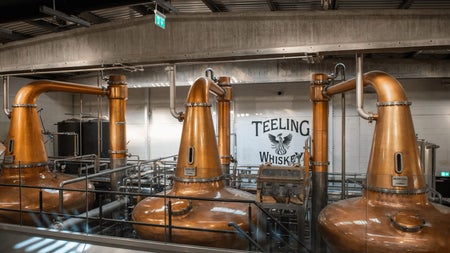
(173, 93)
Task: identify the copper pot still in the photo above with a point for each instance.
(198, 174)
(393, 215)
(32, 197)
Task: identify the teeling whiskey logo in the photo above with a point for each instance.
(280, 142)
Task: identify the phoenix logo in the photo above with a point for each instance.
(280, 143)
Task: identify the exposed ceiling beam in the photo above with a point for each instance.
(8, 35)
(167, 6)
(43, 24)
(213, 6)
(59, 14)
(335, 5)
(406, 4)
(92, 18)
(141, 9)
(272, 5)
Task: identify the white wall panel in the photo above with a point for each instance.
(152, 132)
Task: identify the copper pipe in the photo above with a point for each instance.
(223, 122)
(381, 81)
(118, 95)
(393, 215)
(319, 156)
(198, 174)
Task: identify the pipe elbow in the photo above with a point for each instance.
(200, 89)
(367, 115)
(177, 115)
(387, 87)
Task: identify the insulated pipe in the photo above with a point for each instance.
(359, 90)
(223, 121)
(6, 108)
(94, 213)
(319, 156)
(118, 95)
(173, 93)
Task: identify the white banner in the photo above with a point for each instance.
(276, 140)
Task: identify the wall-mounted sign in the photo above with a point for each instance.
(275, 140)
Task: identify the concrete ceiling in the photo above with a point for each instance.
(23, 24)
(23, 19)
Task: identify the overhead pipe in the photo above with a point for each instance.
(173, 93)
(6, 108)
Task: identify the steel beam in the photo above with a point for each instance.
(190, 38)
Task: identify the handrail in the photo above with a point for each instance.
(242, 232)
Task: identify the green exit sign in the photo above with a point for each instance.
(445, 173)
(160, 19)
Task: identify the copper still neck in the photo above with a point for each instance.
(394, 161)
(198, 157)
(25, 147)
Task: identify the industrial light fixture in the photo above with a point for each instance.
(52, 12)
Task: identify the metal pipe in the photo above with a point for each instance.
(6, 108)
(223, 122)
(94, 213)
(118, 95)
(78, 179)
(173, 93)
(319, 157)
(343, 171)
(359, 90)
(71, 159)
(340, 68)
